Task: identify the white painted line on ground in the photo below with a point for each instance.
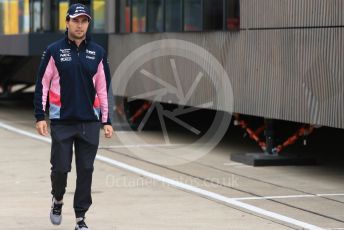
(232, 163)
(25, 133)
(236, 165)
(286, 197)
(122, 131)
(177, 184)
(331, 194)
(273, 197)
(211, 195)
(47, 139)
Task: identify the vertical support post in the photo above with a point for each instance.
(224, 16)
(46, 22)
(117, 16)
(111, 12)
(269, 135)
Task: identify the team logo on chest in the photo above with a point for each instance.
(90, 54)
(65, 55)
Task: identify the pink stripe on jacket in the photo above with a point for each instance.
(99, 81)
(50, 77)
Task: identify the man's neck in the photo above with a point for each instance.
(77, 41)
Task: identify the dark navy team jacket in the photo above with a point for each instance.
(76, 80)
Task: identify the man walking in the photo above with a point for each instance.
(75, 74)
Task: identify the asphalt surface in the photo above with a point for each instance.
(127, 199)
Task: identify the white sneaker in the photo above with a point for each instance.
(81, 225)
(56, 213)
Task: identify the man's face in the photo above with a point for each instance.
(77, 27)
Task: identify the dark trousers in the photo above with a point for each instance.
(85, 138)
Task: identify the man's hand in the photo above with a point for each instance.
(108, 130)
(42, 128)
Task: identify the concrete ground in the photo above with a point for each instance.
(123, 200)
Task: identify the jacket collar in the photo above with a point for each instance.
(84, 42)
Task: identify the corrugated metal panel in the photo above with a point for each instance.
(294, 75)
(292, 70)
(290, 13)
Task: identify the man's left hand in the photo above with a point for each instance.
(108, 130)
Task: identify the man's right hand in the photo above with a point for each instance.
(42, 128)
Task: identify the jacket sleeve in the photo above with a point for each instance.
(104, 92)
(43, 79)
